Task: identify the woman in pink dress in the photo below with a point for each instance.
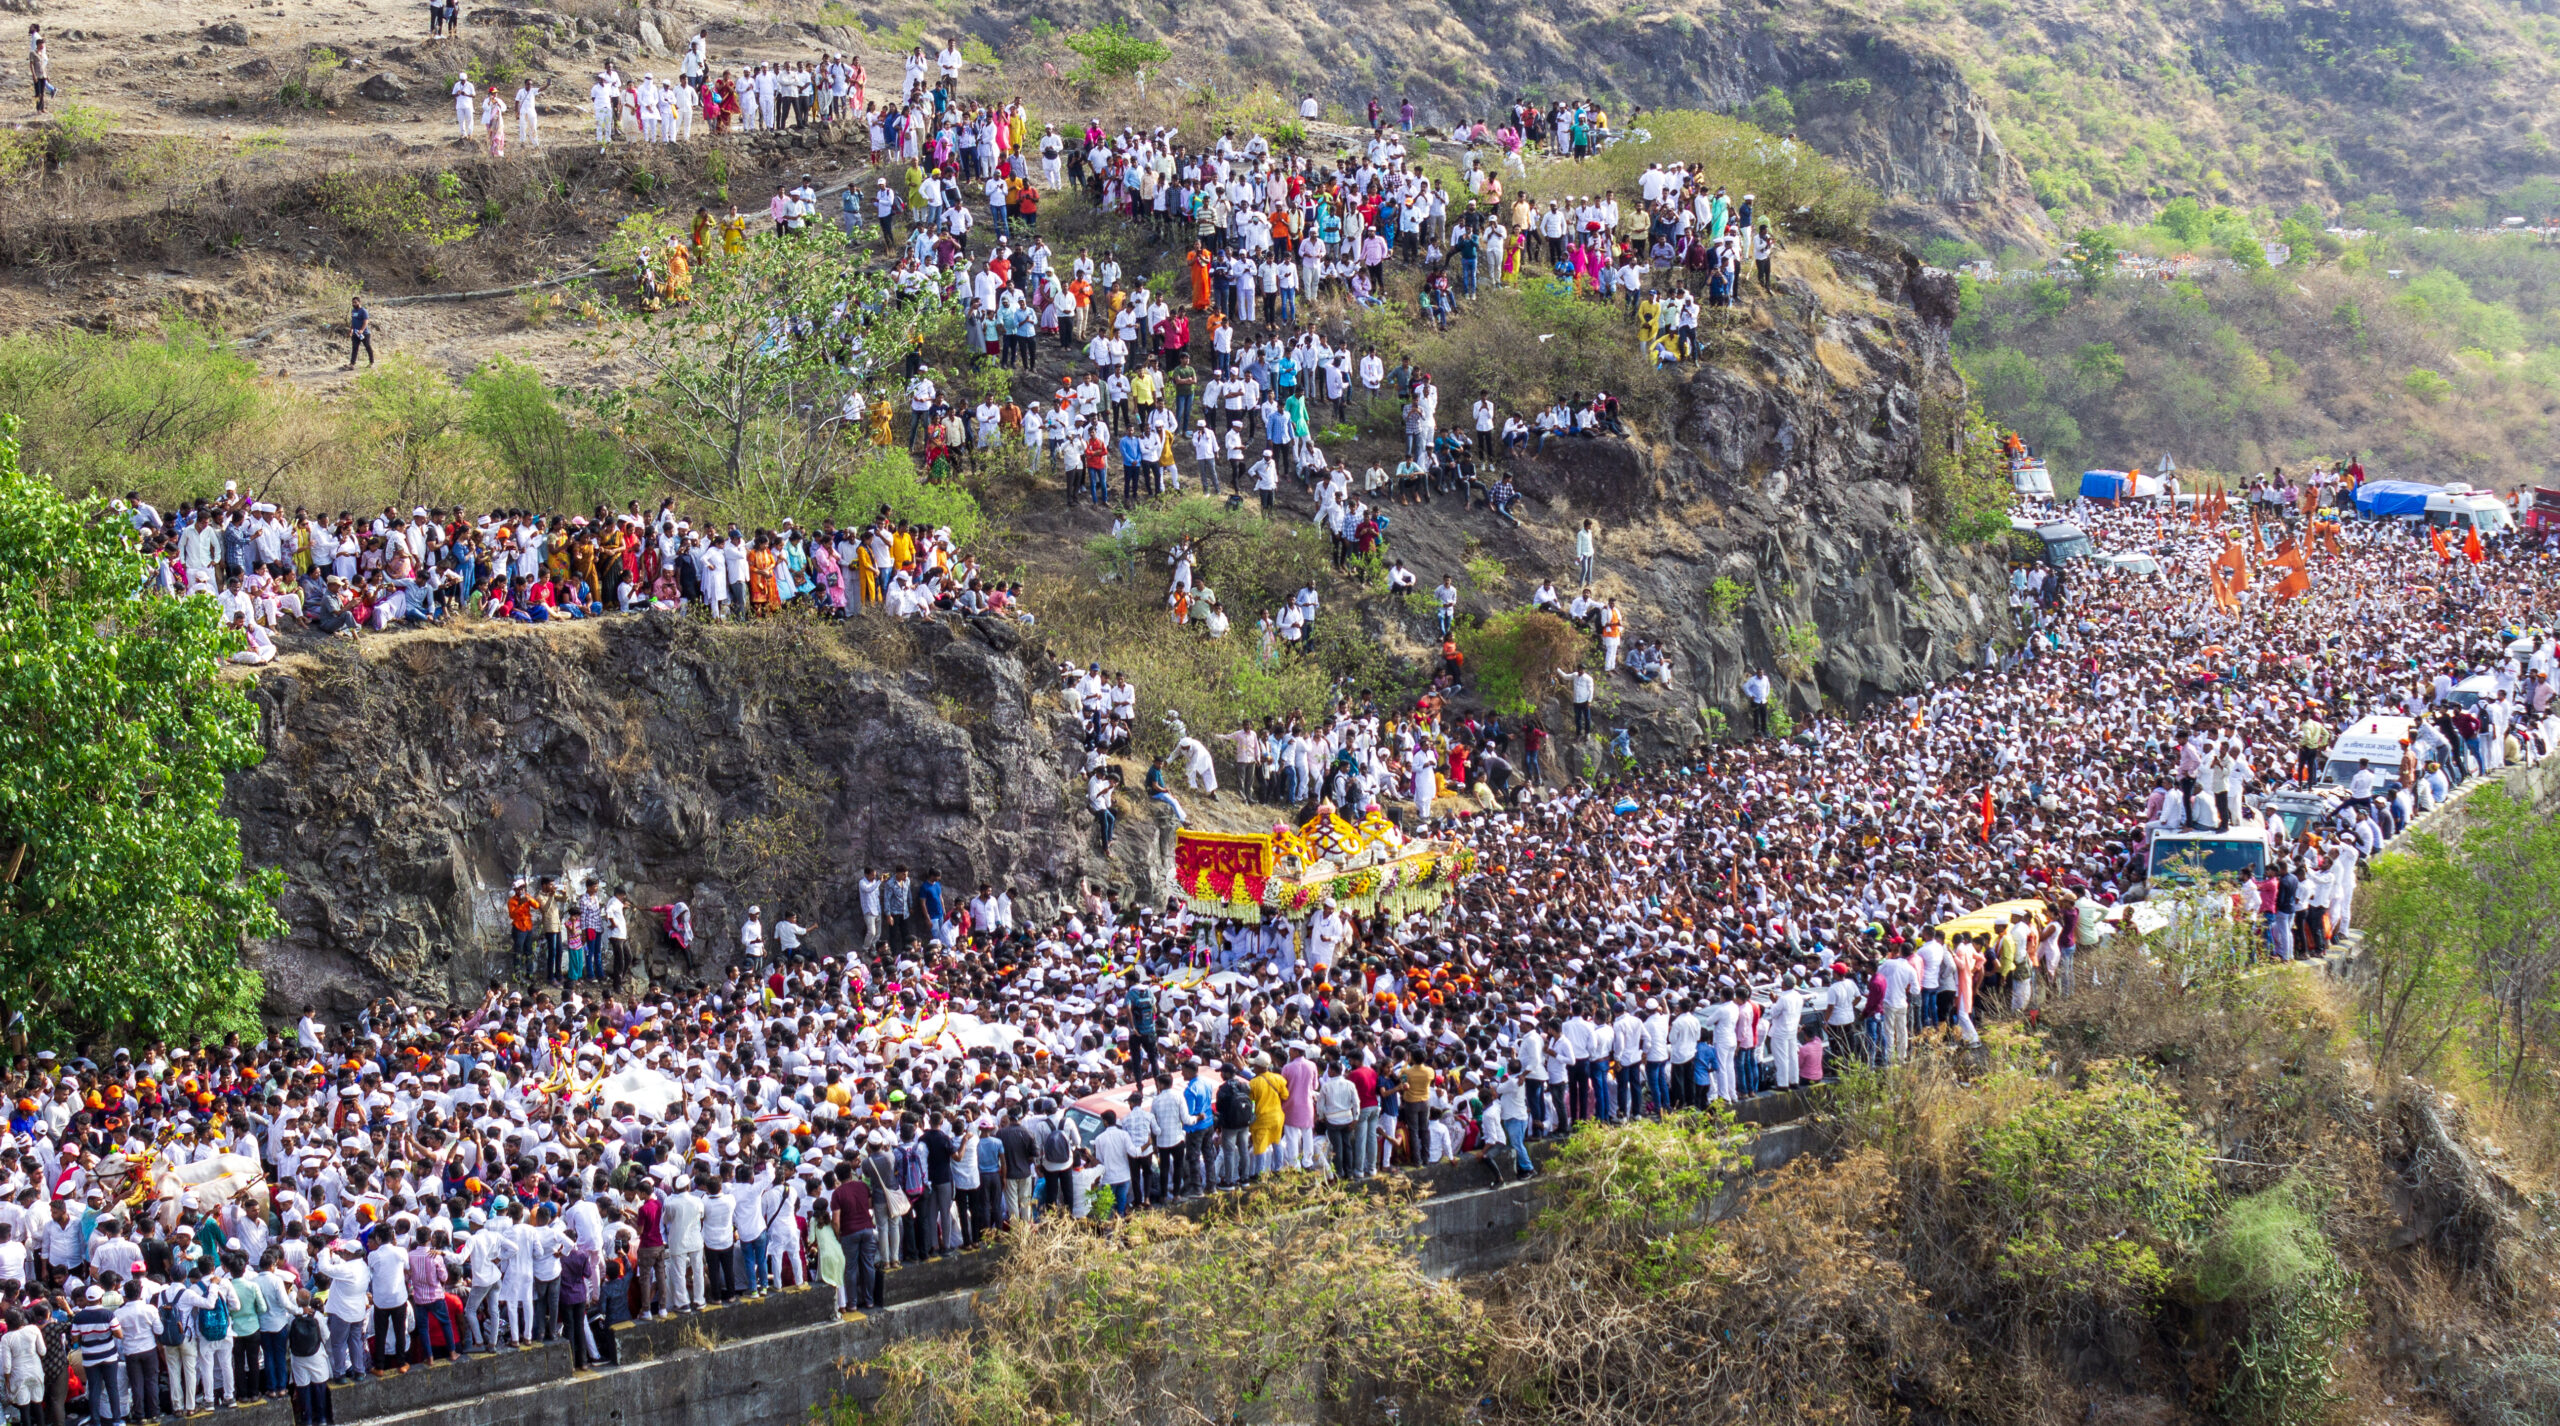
(830, 573)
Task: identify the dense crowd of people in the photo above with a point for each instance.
(590, 1144)
(587, 1146)
(335, 574)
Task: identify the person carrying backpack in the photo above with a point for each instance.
(1234, 1118)
(306, 1345)
(1057, 1160)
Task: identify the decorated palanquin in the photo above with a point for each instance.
(1355, 867)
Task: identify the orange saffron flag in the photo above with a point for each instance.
(2471, 545)
(2297, 578)
(2235, 567)
(2436, 537)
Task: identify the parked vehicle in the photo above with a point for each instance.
(2190, 854)
(2459, 507)
(2540, 508)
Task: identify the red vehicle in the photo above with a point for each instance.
(2542, 510)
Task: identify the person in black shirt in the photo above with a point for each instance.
(359, 333)
(938, 1148)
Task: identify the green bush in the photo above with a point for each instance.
(77, 130)
(1642, 1176)
(1803, 191)
(888, 478)
(2264, 1244)
(389, 209)
(308, 84)
(416, 424)
(1962, 486)
(1514, 656)
(167, 414)
(1111, 52)
(553, 463)
(2428, 386)
(2268, 1254)
(1772, 110)
(1724, 599)
(2094, 1189)
(1498, 348)
(1797, 650)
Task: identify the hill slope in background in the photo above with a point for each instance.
(1994, 128)
(1983, 115)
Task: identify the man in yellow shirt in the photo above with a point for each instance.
(1270, 1106)
(1413, 1106)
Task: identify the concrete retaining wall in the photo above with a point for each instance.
(776, 1360)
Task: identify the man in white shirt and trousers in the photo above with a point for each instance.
(528, 114)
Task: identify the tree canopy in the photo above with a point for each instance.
(123, 900)
(757, 384)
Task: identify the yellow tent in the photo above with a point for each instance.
(1990, 918)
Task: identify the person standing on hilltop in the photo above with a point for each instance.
(39, 66)
(466, 115)
(359, 332)
(493, 117)
(529, 113)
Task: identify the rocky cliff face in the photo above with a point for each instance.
(1760, 521)
(408, 779)
(1792, 465)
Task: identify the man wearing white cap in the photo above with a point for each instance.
(483, 1248)
(463, 115)
(600, 99)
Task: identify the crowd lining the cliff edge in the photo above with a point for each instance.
(601, 1139)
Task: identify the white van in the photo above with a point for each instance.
(2376, 739)
(2459, 507)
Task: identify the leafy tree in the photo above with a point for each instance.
(1111, 52)
(888, 479)
(2098, 365)
(756, 386)
(1513, 658)
(123, 902)
(1962, 485)
(555, 463)
(2183, 220)
(2464, 940)
(111, 414)
(2093, 256)
(417, 421)
(1772, 110)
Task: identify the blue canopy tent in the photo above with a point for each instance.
(2394, 499)
(2106, 485)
